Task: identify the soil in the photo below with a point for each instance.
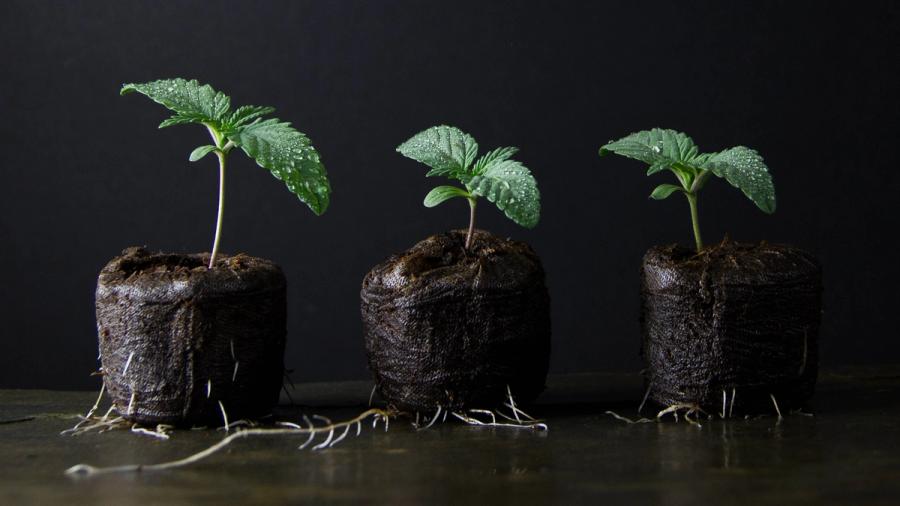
(742, 317)
(185, 328)
(452, 328)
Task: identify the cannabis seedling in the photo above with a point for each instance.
(452, 153)
(273, 144)
(667, 149)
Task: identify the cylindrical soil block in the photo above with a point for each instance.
(176, 338)
(453, 328)
(736, 321)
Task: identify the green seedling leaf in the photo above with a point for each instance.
(442, 194)
(447, 150)
(492, 157)
(191, 101)
(664, 190)
(512, 188)
(659, 148)
(289, 156)
(247, 113)
(200, 152)
(744, 169)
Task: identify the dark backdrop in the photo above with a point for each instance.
(85, 172)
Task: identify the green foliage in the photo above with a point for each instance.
(273, 144)
(667, 149)
(201, 151)
(451, 153)
(443, 193)
(744, 169)
(290, 157)
(663, 149)
(664, 190)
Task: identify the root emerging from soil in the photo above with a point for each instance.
(515, 419)
(627, 420)
(689, 409)
(285, 428)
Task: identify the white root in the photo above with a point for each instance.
(131, 403)
(644, 400)
(127, 363)
(208, 388)
(486, 412)
(90, 412)
(88, 470)
(239, 423)
(372, 394)
(777, 409)
(517, 418)
(628, 420)
(471, 420)
(689, 409)
(234, 374)
(159, 433)
(341, 437)
(724, 402)
(224, 416)
(731, 407)
(433, 419)
(312, 433)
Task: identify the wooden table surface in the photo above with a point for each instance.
(848, 453)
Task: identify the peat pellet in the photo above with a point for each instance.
(738, 319)
(453, 328)
(177, 339)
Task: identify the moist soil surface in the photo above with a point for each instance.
(742, 319)
(177, 338)
(453, 328)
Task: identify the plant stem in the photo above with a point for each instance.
(221, 212)
(471, 232)
(695, 219)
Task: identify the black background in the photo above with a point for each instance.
(811, 85)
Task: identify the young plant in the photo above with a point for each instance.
(273, 144)
(667, 149)
(452, 153)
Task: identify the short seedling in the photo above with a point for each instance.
(273, 144)
(505, 182)
(667, 149)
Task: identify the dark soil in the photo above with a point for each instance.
(452, 328)
(736, 316)
(181, 321)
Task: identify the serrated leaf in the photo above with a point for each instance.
(245, 114)
(182, 119)
(512, 188)
(200, 152)
(443, 193)
(289, 156)
(660, 148)
(191, 101)
(744, 169)
(491, 157)
(664, 190)
(447, 150)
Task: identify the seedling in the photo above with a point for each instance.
(667, 149)
(452, 153)
(273, 144)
